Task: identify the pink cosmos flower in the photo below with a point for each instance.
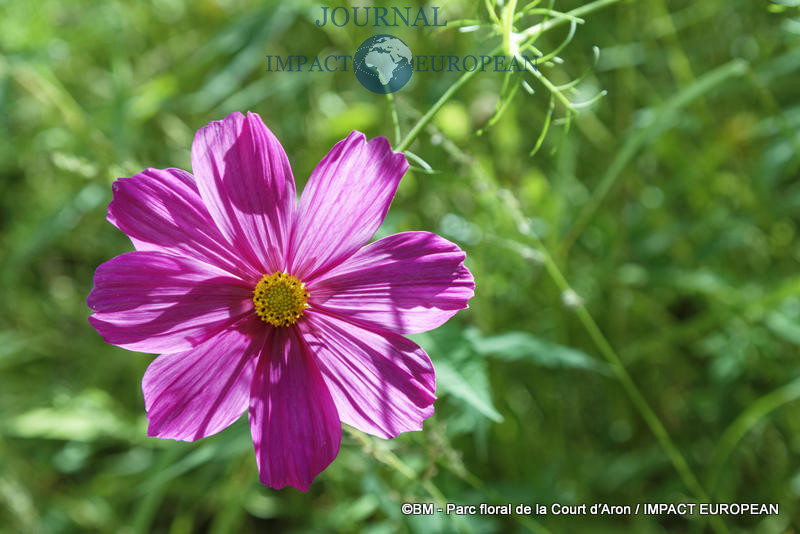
(258, 302)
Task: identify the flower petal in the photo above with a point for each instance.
(344, 203)
(382, 383)
(246, 182)
(158, 303)
(295, 427)
(197, 393)
(406, 283)
(162, 210)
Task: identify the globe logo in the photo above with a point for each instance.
(383, 64)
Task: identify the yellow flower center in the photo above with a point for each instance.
(280, 299)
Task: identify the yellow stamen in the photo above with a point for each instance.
(280, 299)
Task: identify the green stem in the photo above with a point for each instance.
(490, 10)
(630, 387)
(639, 138)
(509, 45)
(390, 459)
(575, 13)
(640, 403)
(547, 83)
(428, 116)
(467, 76)
(395, 119)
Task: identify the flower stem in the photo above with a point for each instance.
(390, 459)
(395, 119)
(428, 116)
(630, 387)
(467, 76)
(509, 44)
(587, 321)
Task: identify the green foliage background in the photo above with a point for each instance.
(670, 207)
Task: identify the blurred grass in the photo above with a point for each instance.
(671, 206)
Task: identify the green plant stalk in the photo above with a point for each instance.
(639, 138)
(548, 12)
(490, 10)
(640, 403)
(566, 17)
(545, 127)
(395, 119)
(630, 387)
(391, 460)
(502, 103)
(467, 76)
(428, 116)
(509, 46)
(547, 83)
